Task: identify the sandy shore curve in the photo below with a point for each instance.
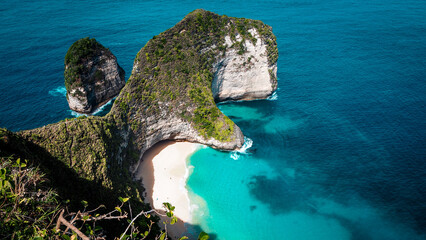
(164, 173)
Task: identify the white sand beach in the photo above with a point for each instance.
(164, 173)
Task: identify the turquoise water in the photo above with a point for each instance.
(304, 178)
(340, 154)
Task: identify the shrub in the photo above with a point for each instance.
(80, 52)
(28, 206)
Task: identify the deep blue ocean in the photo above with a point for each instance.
(339, 154)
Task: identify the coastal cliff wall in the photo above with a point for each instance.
(170, 95)
(245, 75)
(177, 78)
(203, 58)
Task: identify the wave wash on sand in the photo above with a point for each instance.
(165, 172)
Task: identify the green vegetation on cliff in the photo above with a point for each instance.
(174, 70)
(79, 157)
(77, 56)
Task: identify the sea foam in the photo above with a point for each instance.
(273, 97)
(98, 112)
(101, 108)
(76, 114)
(58, 92)
(248, 143)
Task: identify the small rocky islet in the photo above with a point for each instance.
(92, 75)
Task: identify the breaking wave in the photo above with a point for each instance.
(248, 143)
(273, 97)
(58, 92)
(101, 111)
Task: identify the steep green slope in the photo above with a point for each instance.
(174, 70)
(74, 157)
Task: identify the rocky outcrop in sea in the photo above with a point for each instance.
(92, 75)
(177, 78)
(179, 75)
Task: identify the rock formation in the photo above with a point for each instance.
(203, 57)
(176, 79)
(245, 75)
(170, 95)
(92, 75)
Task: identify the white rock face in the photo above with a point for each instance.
(244, 76)
(76, 103)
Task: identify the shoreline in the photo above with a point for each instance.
(164, 173)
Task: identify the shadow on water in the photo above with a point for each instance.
(280, 194)
(342, 161)
(363, 222)
(195, 230)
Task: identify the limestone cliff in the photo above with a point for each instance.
(168, 96)
(171, 93)
(249, 73)
(92, 75)
(178, 74)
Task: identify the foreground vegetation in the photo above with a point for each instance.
(36, 190)
(31, 209)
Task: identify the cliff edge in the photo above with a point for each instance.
(170, 95)
(247, 69)
(92, 75)
(176, 80)
(178, 75)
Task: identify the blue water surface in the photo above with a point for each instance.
(340, 154)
